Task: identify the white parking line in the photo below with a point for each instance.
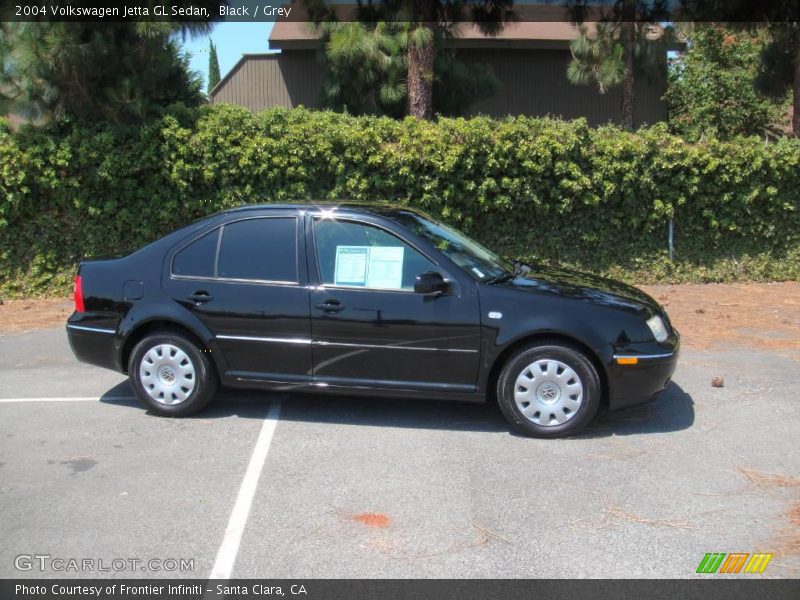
(229, 549)
(78, 399)
(226, 556)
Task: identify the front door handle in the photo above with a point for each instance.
(200, 297)
(331, 306)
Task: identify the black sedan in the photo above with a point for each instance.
(374, 300)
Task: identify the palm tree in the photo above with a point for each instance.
(365, 67)
(430, 22)
(423, 25)
(620, 44)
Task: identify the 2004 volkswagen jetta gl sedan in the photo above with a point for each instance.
(366, 299)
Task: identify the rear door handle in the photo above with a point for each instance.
(200, 297)
(331, 306)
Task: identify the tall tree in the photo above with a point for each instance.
(711, 86)
(118, 72)
(367, 72)
(365, 68)
(780, 59)
(213, 66)
(625, 40)
(425, 24)
(6, 70)
(457, 85)
(780, 67)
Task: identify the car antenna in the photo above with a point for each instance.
(237, 194)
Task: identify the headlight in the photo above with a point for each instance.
(658, 328)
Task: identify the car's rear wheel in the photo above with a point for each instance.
(548, 390)
(170, 375)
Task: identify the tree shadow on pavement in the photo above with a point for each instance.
(672, 411)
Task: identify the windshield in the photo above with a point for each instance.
(480, 263)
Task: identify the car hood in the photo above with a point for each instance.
(567, 283)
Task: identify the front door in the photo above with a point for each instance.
(245, 281)
(368, 325)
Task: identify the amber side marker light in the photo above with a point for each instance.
(627, 360)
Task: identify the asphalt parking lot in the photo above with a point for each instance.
(371, 488)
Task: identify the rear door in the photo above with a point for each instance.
(246, 281)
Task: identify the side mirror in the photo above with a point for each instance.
(430, 283)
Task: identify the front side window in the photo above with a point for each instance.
(259, 249)
(354, 254)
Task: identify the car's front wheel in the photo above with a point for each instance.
(170, 375)
(548, 390)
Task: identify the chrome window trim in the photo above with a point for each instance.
(92, 329)
(234, 280)
(220, 233)
(363, 288)
(220, 229)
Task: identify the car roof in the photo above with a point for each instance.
(387, 209)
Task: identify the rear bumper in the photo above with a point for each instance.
(93, 344)
(632, 384)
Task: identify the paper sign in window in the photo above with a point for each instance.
(351, 265)
(369, 266)
(385, 267)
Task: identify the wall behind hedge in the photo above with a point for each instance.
(541, 189)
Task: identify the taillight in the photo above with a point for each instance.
(77, 290)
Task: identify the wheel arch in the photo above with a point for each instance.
(146, 328)
(542, 338)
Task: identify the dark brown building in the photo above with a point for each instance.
(529, 58)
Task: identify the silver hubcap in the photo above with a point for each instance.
(548, 392)
(167, 374)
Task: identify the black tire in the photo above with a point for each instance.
(567, 355)
(204, 376)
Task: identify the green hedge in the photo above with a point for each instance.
(543, 189)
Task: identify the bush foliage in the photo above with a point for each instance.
(541, 189)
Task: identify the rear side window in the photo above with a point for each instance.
(197, 259)
(259, 249)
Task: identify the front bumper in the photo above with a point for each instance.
(631, 384)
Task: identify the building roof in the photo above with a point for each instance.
(536, 26)
(296, 35)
